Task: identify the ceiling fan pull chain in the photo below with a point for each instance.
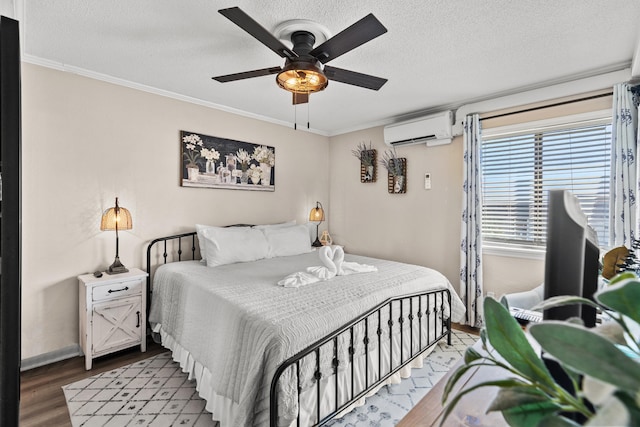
(308, 115)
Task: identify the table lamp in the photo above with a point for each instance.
(116, 218)
(317, 215)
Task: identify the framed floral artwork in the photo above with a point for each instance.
(213, 162)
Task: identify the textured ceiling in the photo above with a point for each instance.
(436, 53)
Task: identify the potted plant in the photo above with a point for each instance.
(266, 158)
(211, 155)
(244, 158)
(394, 166)
(255, 174)
(602, 363)
(367, 157)
(191, 152)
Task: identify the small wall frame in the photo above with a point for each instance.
(398, 184)
(368, 173)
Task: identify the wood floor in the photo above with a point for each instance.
(42, 401)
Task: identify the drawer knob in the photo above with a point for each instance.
(126, 288)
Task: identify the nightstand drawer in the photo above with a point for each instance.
(117, 290)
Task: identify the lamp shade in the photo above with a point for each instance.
(317, 213)
(302, 77)
(116, 218)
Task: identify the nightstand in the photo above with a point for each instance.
(112, 313)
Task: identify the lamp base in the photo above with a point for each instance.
(116, 267)
(317, 243)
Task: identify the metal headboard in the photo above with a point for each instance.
(165, 255)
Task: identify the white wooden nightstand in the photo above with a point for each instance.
(112, 313)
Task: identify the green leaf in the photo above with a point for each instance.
(556, 420)
(531, 415)
(454, 402)
(453, 379)
(504, 302)
(563, 300)
(483, 337)
(470, 355)
(508, 339)
(575, 321)
(622, 297)
(626, 275)
(588, 353)
(508, 398)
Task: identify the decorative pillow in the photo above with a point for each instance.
(612, 261)
(286, 241)
(233, 244)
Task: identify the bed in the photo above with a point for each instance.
(267, 354)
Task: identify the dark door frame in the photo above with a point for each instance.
(10, 222)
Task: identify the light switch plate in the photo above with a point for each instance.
(427, 181)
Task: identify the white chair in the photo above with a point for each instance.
(526, 299)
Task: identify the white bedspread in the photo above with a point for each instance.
(238, 325)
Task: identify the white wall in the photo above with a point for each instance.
(420, 226)
(85, 142)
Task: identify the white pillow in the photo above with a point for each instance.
(233, 244)
(203, 248)
(279, 225)
(286, 241)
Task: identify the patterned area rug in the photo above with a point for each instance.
(155, 392)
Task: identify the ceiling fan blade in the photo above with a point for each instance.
(244, 21)
(247, 74)
(300, 98)
(366, 29)
(353, 78)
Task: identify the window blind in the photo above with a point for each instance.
(519, 168)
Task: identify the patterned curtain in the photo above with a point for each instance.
(471, 244)
(624, 168)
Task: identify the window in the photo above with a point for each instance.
(520, 164)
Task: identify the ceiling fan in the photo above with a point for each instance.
(304, 71)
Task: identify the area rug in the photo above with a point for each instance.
(155, 392)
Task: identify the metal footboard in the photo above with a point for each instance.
(422, 311)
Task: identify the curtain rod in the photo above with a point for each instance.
(526, 110)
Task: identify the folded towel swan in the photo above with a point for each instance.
(332, 258)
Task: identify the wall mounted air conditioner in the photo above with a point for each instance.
(432, 130)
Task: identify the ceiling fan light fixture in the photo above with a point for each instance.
(302, 77)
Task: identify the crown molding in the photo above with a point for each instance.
(161, 92)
